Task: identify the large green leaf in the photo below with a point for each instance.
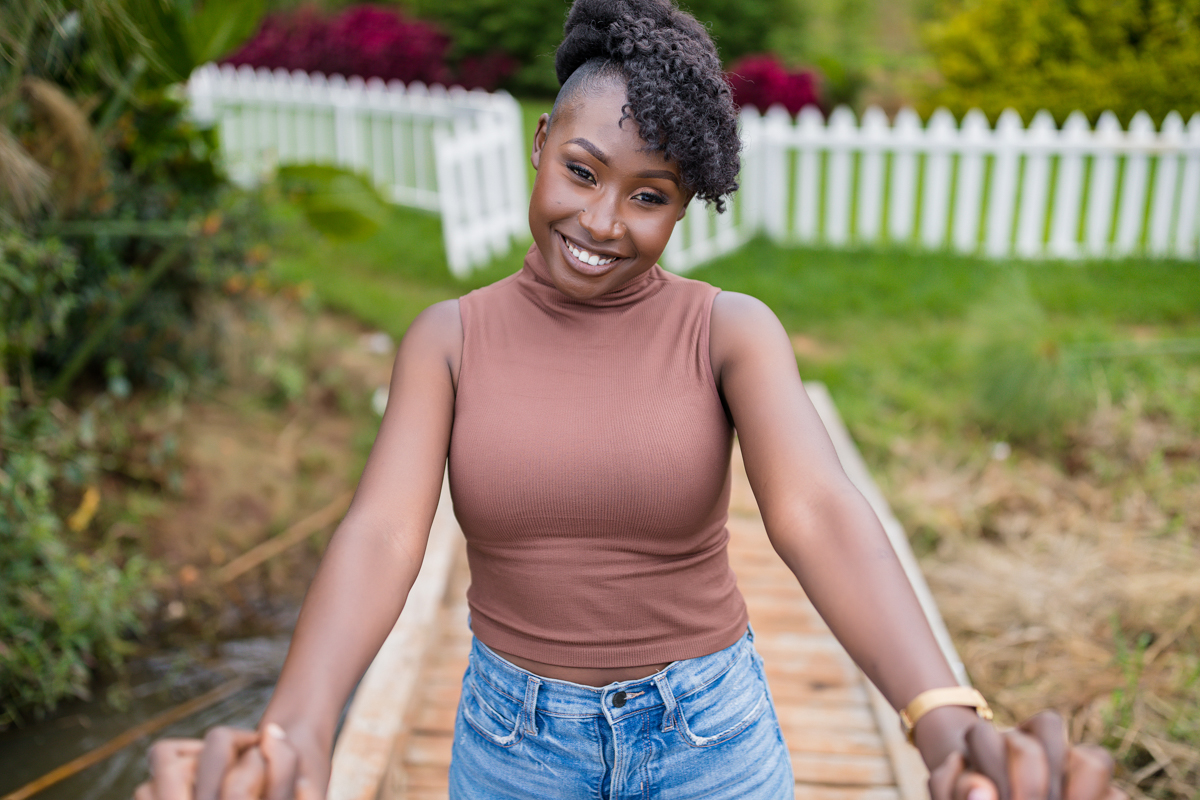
(183, 34)
(338, 203)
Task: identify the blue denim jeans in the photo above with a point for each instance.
(701, 728)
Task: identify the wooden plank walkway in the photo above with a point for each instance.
(839, 749)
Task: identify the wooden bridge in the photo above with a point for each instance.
(843, 736)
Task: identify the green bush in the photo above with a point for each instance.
(746, 27)
(163, 185)
(115, 225)
(530, 31)
(64, 613)
(1063, 55)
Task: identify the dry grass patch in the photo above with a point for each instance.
(1079, 592)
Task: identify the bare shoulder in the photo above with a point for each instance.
(742, 327)
(440, 323)
(436, 334)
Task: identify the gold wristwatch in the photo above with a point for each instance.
(927, 701)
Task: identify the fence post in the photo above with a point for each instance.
(1035, 185)
(1103, 185)
(940, 139)
(1133, 188)
(809, 142)
(902, 200)
(776, 127)
(1186, 245)
(1010, 132)
(1068, 190)
(200, 94)
(1165, 182)
(751, 191)
(870, 174)
(842, 138)
(450, 203)
(968, 193)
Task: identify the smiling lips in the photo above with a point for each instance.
(588, 258)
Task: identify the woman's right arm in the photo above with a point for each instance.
(374, 555)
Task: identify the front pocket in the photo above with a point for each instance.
(726, 707)
(494, 716)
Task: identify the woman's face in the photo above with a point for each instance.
(604, 204)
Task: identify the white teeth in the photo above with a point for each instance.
(588, 258)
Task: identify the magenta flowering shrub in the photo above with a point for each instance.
(761, 81)
(368, 41)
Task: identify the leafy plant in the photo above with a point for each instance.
(367, 41)
(761, 81)
(336, 202)
(115, 223)
(529, 32)
(1063, 55)
(183, 34)
(63, 612)
(740, 29)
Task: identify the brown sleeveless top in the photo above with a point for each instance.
(589, 467)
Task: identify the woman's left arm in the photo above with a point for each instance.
(829, 536)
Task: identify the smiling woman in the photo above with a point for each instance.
(586, 406)
(603, 205)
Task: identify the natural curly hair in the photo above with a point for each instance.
(674, 86)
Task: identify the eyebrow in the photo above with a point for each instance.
(599, 155)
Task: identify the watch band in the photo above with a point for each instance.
(927, 701)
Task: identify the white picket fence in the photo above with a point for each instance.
(1012, 190)
(457, 152)
(1009, 191)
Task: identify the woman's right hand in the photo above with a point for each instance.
(228, 764)
(1033, 761)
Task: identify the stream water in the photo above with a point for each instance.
(158, 684)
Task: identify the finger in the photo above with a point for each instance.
(973, 786)
(306, 791)
(1089, 773)
(1028, 768)
(248, 777)
(173, 768)
(222, 747)
(282, 762)
(1048, 728)
(986, 754)
(145, 792)
(944, 776)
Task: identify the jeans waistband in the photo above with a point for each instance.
(564, 698)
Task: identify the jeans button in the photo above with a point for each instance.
(618, 699)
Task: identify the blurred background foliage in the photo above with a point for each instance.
(117, 221)
(1063, 55)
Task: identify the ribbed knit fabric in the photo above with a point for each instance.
(589, 467)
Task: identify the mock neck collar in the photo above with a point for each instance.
(536, 272)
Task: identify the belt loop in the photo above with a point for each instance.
(750, 631)
(529, 709)
(668, 697)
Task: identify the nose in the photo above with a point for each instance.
(602, 218)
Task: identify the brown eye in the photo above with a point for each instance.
(581, 172)
(651, 197)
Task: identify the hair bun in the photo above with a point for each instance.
(607, 29)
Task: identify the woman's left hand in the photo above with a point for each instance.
(1030, 762)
